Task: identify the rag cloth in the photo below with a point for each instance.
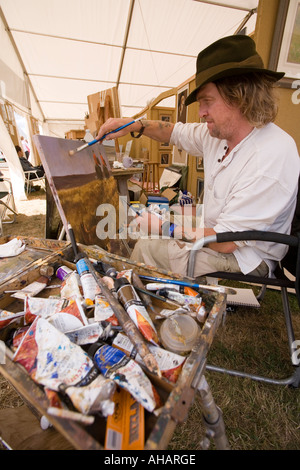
(13, 248)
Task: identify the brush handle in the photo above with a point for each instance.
(221, 289)
(88, 144)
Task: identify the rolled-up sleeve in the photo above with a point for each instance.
(188, 137)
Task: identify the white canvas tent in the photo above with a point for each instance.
(56, 52)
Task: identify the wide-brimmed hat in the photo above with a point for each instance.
(227, 57)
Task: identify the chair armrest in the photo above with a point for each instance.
(257, 235)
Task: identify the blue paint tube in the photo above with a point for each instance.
(89, 285)
(116, 365)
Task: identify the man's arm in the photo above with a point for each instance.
(151, 224)
(157, 130)
(196, 234)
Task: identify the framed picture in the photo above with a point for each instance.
(165, 158)
(179, 157)
(181, 107)
(199, 163)
(200, 189)
(285, 51)
(166, 118)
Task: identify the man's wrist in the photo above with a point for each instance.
(140, 131)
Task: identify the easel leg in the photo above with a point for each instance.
(212, 418)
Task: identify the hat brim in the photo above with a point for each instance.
(192, 97)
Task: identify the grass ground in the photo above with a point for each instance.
(257, 416)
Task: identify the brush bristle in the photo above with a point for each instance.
(71, 152)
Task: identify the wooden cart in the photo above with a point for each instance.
(17, 272)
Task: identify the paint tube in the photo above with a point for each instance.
(126, 273)
(89, 285)
(18, 336)
(70, 288)
(63, 272)
(51, 359)
(95, 397)
(7, 317)
(193, 304)
(169, 363)
(125, 429)
(134, 307)
(156, 286)
(8, 331)
(69, 318)
(33, 288)
(40, 307)
(103, 311)
(107, 269)
(71, 415)
(90, 333)
(114, 364)
(109, 282)
(166, 313)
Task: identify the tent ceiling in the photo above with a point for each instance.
(73, 48)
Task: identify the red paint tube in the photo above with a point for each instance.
(134, 307)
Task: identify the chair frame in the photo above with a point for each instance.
(7, 206)
(29, 181)
(282, 281)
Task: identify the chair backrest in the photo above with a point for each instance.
(290, 260)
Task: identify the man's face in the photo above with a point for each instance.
(222, 119)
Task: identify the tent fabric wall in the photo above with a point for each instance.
(15, 169)
(73, 48)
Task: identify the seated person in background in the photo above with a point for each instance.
(251, 166)
(27, 166)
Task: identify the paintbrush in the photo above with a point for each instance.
(88, 144)
(221, 289)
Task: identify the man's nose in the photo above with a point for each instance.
(202, 111)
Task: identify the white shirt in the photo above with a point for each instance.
(254, 188)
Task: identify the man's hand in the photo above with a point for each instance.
(114, 123)
(148, 223)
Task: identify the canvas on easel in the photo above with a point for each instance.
(80, 184)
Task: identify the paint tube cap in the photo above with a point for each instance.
(178, 333)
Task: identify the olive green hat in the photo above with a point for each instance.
(227, 57)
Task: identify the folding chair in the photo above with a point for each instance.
(281, 280)
(7, 203)
(31, 176)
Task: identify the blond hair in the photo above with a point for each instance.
(254, 94)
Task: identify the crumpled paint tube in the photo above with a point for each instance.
(32, 289)
(51, 359)
(103, 311)
(69, 318)
(18, 336)
(40, 307)
(90, 333)
(134, 307)
(65, 315)
(7, 317)
(169, 363)
(195, 305)
(94, 397)
(70, 288)
(113, 363)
